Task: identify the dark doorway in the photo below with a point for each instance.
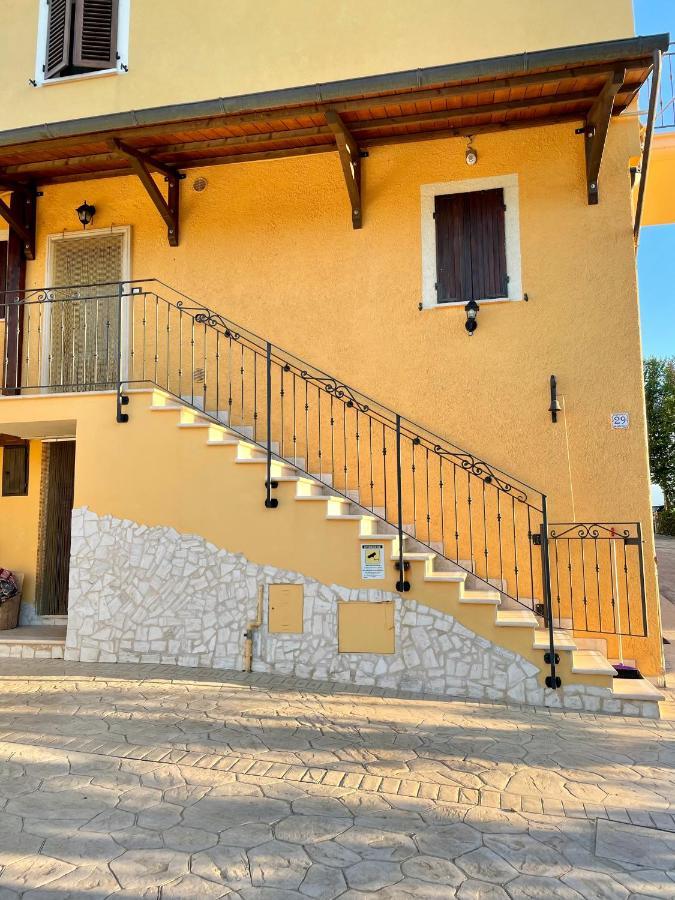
(58, 472)
(3, 278)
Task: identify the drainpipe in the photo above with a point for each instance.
(248, 634)
(653, 96)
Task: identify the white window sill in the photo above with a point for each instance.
(462, 303)
(84, 76)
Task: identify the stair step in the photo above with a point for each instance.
(412, 557)
(323, 479)
(226, 441)
(249, 450)
(599, 644)
(244, 431)
(313, 497)
(562, 640)
(200, 421)
(485, 598)
(446, 577)
(636, 689)
(590, 662)
(514, 618)
(346, 517)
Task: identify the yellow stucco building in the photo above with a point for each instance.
(332, 295)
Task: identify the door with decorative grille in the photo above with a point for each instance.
(84, 324)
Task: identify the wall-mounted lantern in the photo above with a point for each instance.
(471, 309)
(555, 406)
(471, 155)
(85, 213)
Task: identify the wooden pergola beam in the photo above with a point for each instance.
(14, 223)
(596, 128)
(42, 171)
(15, 285)
(350, 160)
(20, 216)
(198, 162)
(355, 128)
(169, 208)
(291, 112)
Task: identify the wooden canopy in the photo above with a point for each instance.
(586, 84)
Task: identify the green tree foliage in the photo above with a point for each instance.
(659, 377)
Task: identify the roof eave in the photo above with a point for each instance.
(496, 67)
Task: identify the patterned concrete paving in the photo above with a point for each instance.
(159, 782)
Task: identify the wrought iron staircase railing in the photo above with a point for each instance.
(438, 496)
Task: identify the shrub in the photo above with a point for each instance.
(665, 522)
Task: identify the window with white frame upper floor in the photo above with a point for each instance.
(81, 37)
(470, 241)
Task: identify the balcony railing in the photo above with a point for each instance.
(664, 117)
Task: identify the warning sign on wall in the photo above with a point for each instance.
(372, 561)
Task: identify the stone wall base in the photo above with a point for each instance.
(152, 595)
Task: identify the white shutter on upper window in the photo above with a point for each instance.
(59, 19)
(95, 42)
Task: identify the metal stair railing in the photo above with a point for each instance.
(436, 495)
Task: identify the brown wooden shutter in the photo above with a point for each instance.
(15, 471)
(488, 244)
(453, 261)
(470, 246)
(59, 20)
(95, 45)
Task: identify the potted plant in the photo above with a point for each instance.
(10, 599)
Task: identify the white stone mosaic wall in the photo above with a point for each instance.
(140, 594)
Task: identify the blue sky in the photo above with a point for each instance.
(656, 254)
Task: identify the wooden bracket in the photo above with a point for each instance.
(595, 130)
(168, 209)
(21, 217)
(350, 159)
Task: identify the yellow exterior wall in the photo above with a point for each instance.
(19, 525)
(153, 473)
(271, 246)
(659, 208)
(289, 267)
(202, 49)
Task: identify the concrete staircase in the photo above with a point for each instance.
(436, 580)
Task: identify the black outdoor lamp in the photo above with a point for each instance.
(85, 213)
(555, 406)
(471, 309)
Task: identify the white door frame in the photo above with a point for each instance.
(125, 336)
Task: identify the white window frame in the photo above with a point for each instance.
(429, 192)
(125, 336)
(123, 17)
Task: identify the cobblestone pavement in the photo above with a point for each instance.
(159, 782)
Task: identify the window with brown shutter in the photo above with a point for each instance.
(59, 34)
(95, 45)
(15, 470)
(81, 37)
(470, 246)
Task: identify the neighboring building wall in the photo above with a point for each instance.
(200, 49)
(152, 595)
(659, 208)
(19, 525)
